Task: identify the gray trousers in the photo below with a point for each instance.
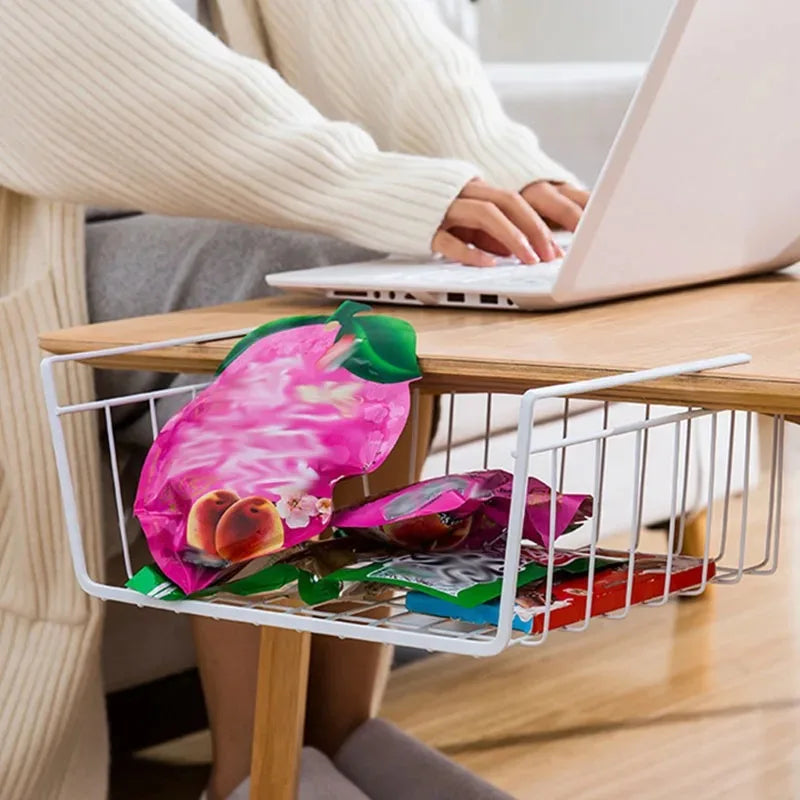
(145, 264)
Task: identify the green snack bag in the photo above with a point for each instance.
(277, 579)
(321, 571)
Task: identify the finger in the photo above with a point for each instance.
(520, 212)
(450, 246)
(578, 196)
(516, 208)
(481, 240)
(546, 199)
(485, 216)
(554, 206)
(489, 244)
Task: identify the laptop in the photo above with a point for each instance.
(702, 183)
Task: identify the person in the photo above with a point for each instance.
(307, 133)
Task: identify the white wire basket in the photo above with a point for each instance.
(644, 466)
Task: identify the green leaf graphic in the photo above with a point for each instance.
(345, 314)
(387, 352)
(385, 347)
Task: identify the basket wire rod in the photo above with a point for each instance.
(636, 521)
(480, 632)
(726, 506)
(71, 515)
(685, 489)
(436, 622)
(151, 405)
(109, 352)
(519, 494)
(487, 433)
(622, 430)
(564, 432)
(397, 619)
(709, 510)
(770, 562)
(778, 498)
(745, 493)
(129, 399)
(735, 575)
(363, 608)
(642, 478)
(112, 451)
(773, 479)
(402, 620)
(449, 453)
(533, 639)
(599, 478)
(551, 548)
(676, 463)
(773, 468)
(630, 378)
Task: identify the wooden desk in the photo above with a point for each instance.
(511, 352)
(500, 352)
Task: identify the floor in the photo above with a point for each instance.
(699, 697)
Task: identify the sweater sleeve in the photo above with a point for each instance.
(394, 67)
(130, 103)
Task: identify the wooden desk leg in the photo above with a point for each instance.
(280, 714)
(694, 535)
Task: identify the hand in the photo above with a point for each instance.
(559, 203)
(484, 221)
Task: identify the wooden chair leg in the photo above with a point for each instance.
(280, 714)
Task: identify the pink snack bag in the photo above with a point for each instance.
(248, 467)
(466, 510)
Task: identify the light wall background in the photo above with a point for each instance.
(570, 30)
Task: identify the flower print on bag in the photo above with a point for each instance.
(325, 509)
(297, 509)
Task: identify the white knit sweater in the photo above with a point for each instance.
(131, 103)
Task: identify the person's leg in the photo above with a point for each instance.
(347, 678)
(227, 658)
(147, 265)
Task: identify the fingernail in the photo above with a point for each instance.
(557, 249)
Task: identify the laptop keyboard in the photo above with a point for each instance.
(506, 276)
(521, 274)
